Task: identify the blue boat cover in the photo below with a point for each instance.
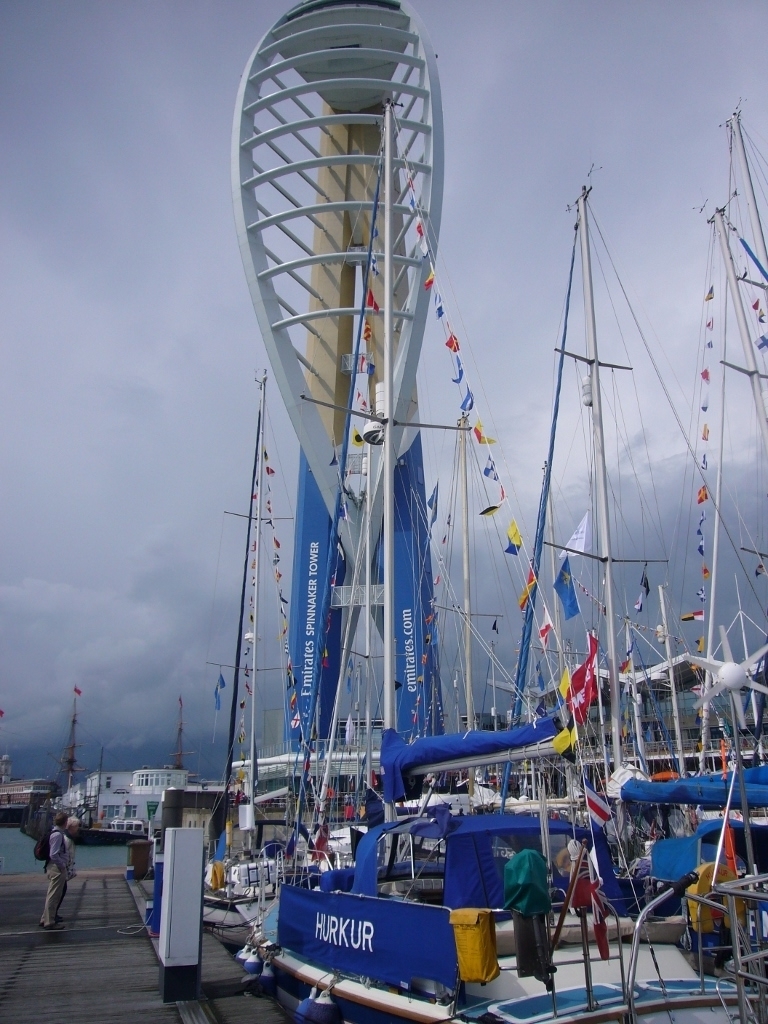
(709, 791)
(399, 757)
(476, 851)
(673, 858)
(371, 938)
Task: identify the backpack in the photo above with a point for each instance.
(42, 849)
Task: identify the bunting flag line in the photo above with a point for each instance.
(490, 510)
(468, 402)
(702, 496)
(701, 594)
(459, 371)
(546, 628)
(357, 439)
(705, 572)
(710, 294)
(490, 469)
(78, 691)
(760, 570)
(452, 343)
(705, 433)
(700, 645)
(370, 301)
(515, 541)
(697, 616)
(482, 438)
(430, 280)
(598, 807)
(527, 590)
(762, 341)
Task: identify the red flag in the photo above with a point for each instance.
(276, 542)
(702, 496)
(756, 305)
(78, 692)
(705, 374)
(367, 330)
(584, 684)
(452, 343)
(370, 302)
(270, 471)
(2, 713)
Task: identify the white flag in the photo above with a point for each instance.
(582, 537)
(349, 732)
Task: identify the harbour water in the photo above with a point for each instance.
(16, 856)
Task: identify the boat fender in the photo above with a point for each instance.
(268, 981)
(322, 1010)
(242, 954)
(299, 1014)
(254, 964)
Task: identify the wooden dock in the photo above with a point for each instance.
(102, 969)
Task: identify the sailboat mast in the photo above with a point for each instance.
(368, 673)
(741, 319)
(252, 777)
(389, 429)
(749, 192)
(601, 477)
(672, 687)
(468, 691)
(705, 711)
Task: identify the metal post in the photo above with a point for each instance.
(252, 777)
(742, 787)
(672, 687)
(601, 477)
(636, 706)
(741, 319)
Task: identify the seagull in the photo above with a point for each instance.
(730, 676)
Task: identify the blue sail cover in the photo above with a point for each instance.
(709, 791)
(398, 758)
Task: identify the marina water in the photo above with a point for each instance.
(17, 857)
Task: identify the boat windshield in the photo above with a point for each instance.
(506, 845)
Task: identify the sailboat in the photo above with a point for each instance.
(441, 917)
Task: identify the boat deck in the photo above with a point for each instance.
(102, 967)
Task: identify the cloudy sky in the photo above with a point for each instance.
(129, 344)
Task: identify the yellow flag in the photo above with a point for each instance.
(481, 437)
(565, 684)
(565, 740)
(357, 440)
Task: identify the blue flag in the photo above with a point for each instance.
(565, 590)
(220, 685)
(432, 505)
(468, 402)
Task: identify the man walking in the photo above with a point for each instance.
(56, 869)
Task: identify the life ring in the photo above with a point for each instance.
(705, 919)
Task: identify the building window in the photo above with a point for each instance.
(108, 783)
(130, 810)
(110, 811)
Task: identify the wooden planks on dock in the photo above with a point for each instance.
(102, 968)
